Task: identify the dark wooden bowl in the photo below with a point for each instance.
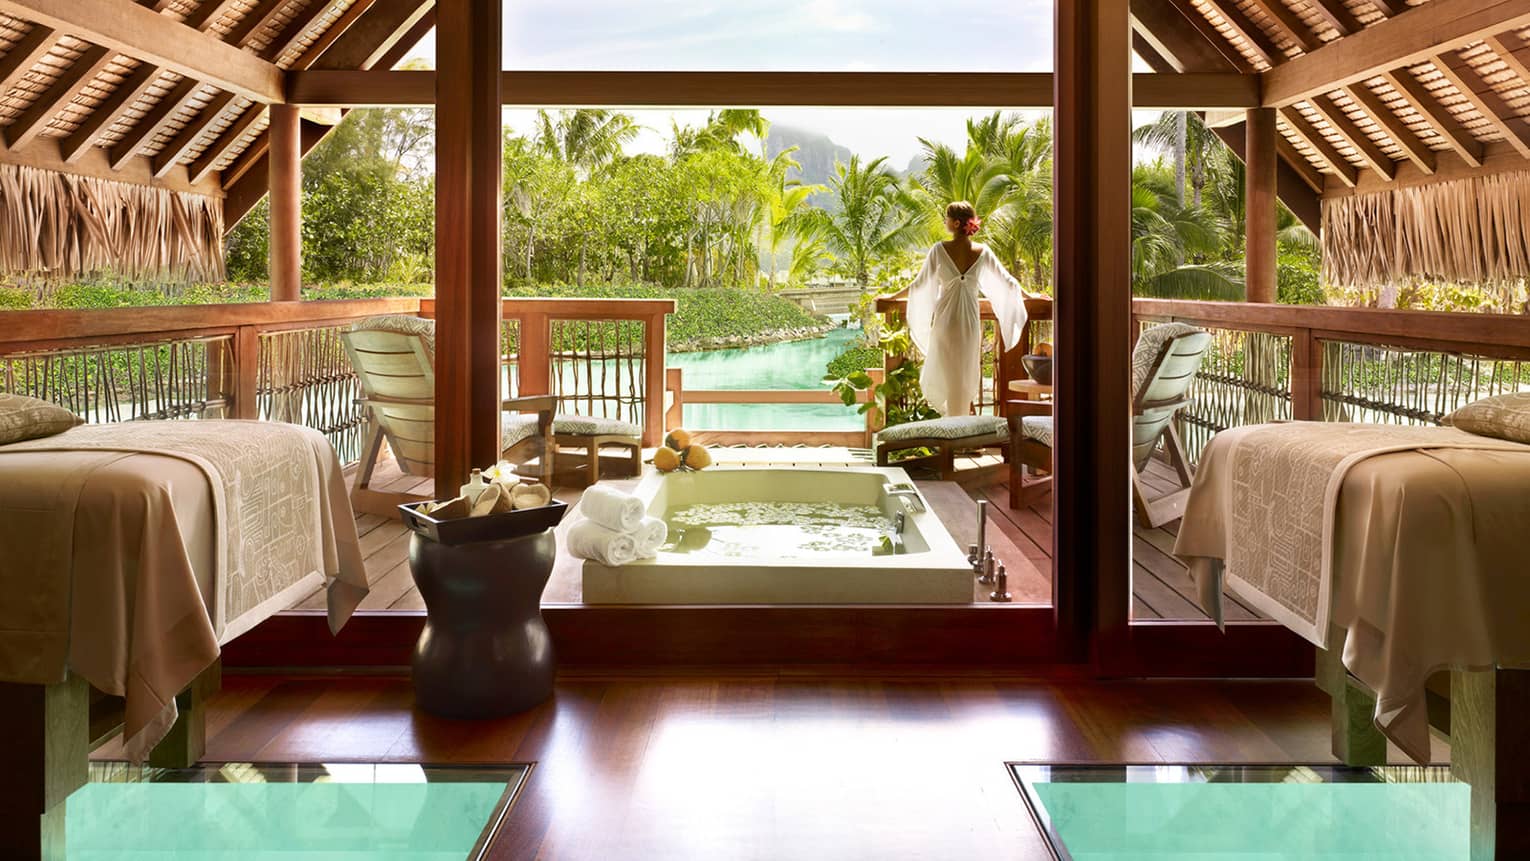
(1039, 367)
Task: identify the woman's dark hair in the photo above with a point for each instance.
(961, 211)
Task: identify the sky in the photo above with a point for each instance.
(783, 35)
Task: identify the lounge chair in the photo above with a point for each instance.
(394, 358)
(948, 436)
(1164, 363)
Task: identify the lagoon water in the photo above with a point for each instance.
(790, 365)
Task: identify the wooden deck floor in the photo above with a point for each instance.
(1021, 539)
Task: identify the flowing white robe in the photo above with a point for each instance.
(943, 322)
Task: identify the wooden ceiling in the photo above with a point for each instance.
(174, 92)
(1417, 90)
(1370, 93)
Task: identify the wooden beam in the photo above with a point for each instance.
(469, 135)
(383, 88)
(45, 154)
(1390, 8)
(106, 114)
(25, 54)
(207, 13)
(255, 20)
(390, 30)
(1259, 205)
(1516, 58)
(1408, 39)
(387, 25)
(1376, 109)
(1176, 40)
(1346, 128)
(1499, 114)
(146, 35)
(296, 27)
(1336, 15)
(1291, 24)
(155, 121)
(1301, 165)
(1244, 28)
(187, 137)
(1497, 158)
(1307, 132)
(215, 151)
(1211, 35)
(1092, 242)
(1462, 141)
(332, 34)
(286, 191)
(32, 121)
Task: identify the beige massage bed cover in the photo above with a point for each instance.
(1431, 568)
(141, 637)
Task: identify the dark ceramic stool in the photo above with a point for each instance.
(485, 651)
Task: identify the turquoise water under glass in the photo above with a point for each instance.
(789, 365)
(245, 812)
(1250, 813)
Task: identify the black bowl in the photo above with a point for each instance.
(1039, 367)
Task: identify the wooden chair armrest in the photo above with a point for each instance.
(530, 404)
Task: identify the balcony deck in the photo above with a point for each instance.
(1021, 539)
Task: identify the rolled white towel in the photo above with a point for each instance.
(612, 508)
(650, 536)
(589, 540)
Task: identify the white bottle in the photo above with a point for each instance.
(474, 486)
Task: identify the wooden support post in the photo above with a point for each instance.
(246, 346)
(1306, 377)
(653, 380)
(468, 144)
(1092, 312)
(1262, 163)
(674, 384)
(286, 204)
(1490, 749)
(45, 758)
(1356, 740)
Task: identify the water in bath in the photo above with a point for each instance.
(780, 530)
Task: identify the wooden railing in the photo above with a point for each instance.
(265, 360)
(1271, 362)
(679, 396)
(600, 357)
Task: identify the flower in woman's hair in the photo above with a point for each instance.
(972, 225)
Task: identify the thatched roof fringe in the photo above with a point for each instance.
(1472, 230)
(59, 226)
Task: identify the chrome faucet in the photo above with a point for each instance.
(909, 495)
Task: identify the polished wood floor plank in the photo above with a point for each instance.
(767, 764)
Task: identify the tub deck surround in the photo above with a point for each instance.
(931, 570)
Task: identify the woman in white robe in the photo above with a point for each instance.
(943, 312)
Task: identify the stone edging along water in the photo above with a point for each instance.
(774, 336)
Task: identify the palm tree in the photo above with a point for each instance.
(876, 216)
(1185, 137)
(787, 215)
(1165, 235)
(587, 138)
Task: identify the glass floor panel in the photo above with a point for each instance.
(1248, 813)
(288, 812)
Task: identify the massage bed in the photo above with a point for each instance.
(129, 554)
(1400, 553)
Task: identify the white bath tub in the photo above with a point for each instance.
(809, 565)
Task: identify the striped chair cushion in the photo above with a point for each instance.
(950, 427)
(403, 324)
(571, 425)
(1038, 428)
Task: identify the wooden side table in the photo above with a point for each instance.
(1030, 390)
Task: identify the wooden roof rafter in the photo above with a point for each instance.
(1483, 99)
(1309, 134)
(1290, 24)
(1352, 135)
(1411, 145)
(1244, 28)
